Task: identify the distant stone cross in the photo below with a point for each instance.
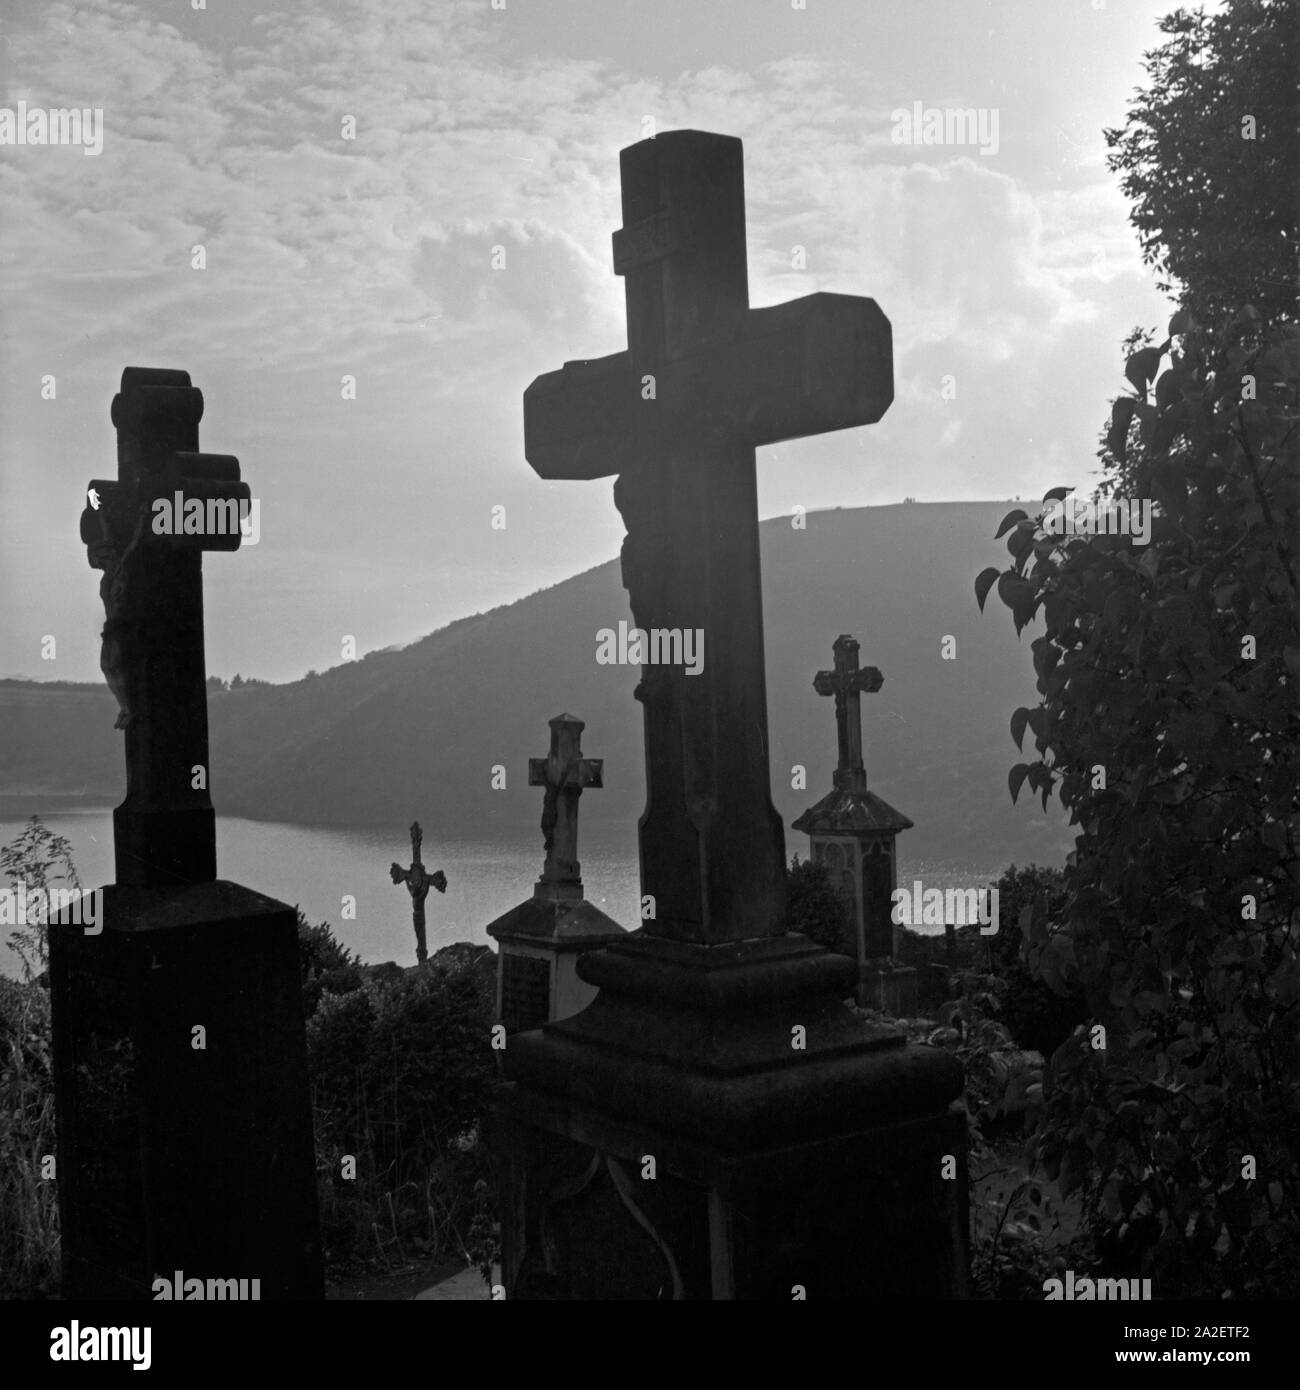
(164, 832)
(704, 380)
(564, 772)
(847, 684)
(418, 882)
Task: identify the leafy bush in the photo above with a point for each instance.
(328, 967)
(402, 1077)
(1168, 723)
(1037, 1016)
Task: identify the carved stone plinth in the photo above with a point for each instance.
(717, 1125)
(541, 942)
(181, 1149)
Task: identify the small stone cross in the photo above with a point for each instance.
(564, 772)
(418, 882)
(847, 683)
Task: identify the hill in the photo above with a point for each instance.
(417, 732)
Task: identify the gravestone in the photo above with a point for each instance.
(184, 1120)
(716, 1123)
(852, 831)
(418, 882)
(542, 940)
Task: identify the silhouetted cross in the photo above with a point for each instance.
(418, 882)
(847, 683)
(704, 380)
(164, 832)
(564, 772)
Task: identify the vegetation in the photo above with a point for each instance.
(1167, 722)
(34, 862)
(29, 1226)
(814, 908)
(401, 1076)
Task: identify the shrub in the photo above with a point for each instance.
(29, 1239)
(36, 860)
(814, 908)
(328, 967)
(1167, 722)
(402, 1078)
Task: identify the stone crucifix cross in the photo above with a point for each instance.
(418, 882)
(705, 379)
(164, 832)
(564, 772)
(847, 683)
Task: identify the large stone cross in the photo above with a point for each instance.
(705, 379)
(564, 772)
(147, 531)
(418, 882)
(847, 684)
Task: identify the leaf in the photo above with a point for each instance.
(984, 581)
(1168, 389)
(1018, 595)
(1121, 416)
(1182, 322)
(1020, 542)
(1055, 494)
(1111, 1206)
(1009, 521)
(1016, 779)
(1019, 722)
(1142, 366)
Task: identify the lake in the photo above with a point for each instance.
(314, 867)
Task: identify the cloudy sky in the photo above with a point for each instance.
(1011, 271)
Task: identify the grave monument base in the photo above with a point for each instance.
(158, 1134)
(891, 988)
(717, 1125)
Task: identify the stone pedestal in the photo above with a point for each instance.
(540, 943)
(543, 938)
(893, 989)
(173, 1156)
(852, 834)
(717, 1125)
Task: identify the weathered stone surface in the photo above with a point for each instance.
(724, 378)
(564, 773)
(184, 1122)
(172, 1156)
(853, 834)
(152, 658)
(542, 938)
(716, 1124)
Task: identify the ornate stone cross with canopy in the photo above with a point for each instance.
(847, 683)
(705, 379)
(164, 831)
(418, 882)
(564, 772)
